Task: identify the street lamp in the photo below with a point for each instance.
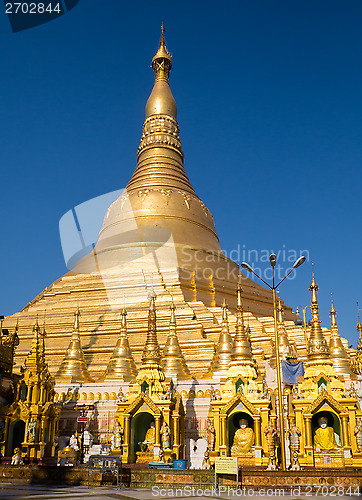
(247, 267)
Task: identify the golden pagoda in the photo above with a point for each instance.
(318, 354)
(242, 363)
(121, 366)
(222, 357)
(322, 408)
(173, 362)
(31, 422)
(341, 360)
(74, 368)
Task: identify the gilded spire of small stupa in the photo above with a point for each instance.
(43, 334)
(151, 351)
(317, 348)
(222, 357)
(242, 362)
(121, 366)
(173, 362)
(339, 356)
(34, 360)
(74, 368)
(357, 362)
(151, 370)
(285, 348)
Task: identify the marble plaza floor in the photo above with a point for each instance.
(19, 491)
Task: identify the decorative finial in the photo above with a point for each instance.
(313, 287)
(173, 315)
(280, 310)
(76, 319)
(359, 326)
(124, 318)
(333, 313)
(239, 290)
(224, 311)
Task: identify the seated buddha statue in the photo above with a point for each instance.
(324, 437)
(243, 439)
(150, 437)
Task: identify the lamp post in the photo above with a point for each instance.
(273, 287)
(304, 320)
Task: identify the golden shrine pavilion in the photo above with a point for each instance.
(157, 333)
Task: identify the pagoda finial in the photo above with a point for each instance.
(280, 310)
(76, 319)
(359, 327)
(333, 314)
(124, 319)
(173, 313)
(224, 312)
(162, 60)
(317, 347)
(161, 100)
(357, 362)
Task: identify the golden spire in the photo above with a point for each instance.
(36, 358)
(121, 366)
(317, 348)
(173, 362)
(222, 357)
(151, 370)
(242, 362)
(74, 368)
(151, 351)
(161, 101)
(339, 356)
(159, 194)
(36, 369)
(357, 362)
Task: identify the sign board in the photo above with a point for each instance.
(82, 420)
(226, 465)
(104, 464)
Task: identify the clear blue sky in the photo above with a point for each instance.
(269, 101)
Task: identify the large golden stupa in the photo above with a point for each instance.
(158, 234)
